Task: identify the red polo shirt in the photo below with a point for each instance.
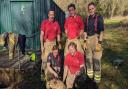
(73, 25)
(50, 29)
(74, 62)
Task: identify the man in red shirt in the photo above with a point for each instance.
(73, 63)
(50, 32)
(74, 28)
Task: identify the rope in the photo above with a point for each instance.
(31, 36)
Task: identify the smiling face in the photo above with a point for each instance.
(72, 11)
(91, 9)
(72, 49)
(51, 15)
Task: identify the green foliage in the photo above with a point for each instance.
(107, 8)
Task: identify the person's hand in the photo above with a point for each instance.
(82, 35)
(60, 47)
(63, 80)
(56, 75)
(42, 49)
(98, 47)
(85, 46)
(58, 69)
(77, 73)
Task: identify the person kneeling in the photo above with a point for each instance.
(53, 64)
(73, 64)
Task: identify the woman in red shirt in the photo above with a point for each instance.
(73, 63)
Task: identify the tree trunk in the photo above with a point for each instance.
(114, 4)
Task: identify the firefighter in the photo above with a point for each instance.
(50, 33)
(74, 28)
(94, 28)
(73, 65)
(53, 64)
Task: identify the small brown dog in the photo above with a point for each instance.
(55, 84)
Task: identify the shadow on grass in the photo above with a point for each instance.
(114, 77)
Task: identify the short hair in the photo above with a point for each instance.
(51, 10)
(91, 3)
(72, 44)
(55, 47)
(72, 5)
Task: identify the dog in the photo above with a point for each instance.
(55, 84)
(82, 81)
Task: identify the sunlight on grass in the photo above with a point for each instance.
(111, 22)
(115, 20)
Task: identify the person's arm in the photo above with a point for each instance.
(51, 70)
(66, 61)
(58, 36)
(65, 27)
(85, 36)
(85, 28)
(81, 23)
(101, 29)
(66, 32)
(42, 30)
(65, 73)
(101, 37)
(82, 63)
(41, 40)
(85, 32)
(59, 41)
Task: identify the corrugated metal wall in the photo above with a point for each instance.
(5, 16)
(40, 9)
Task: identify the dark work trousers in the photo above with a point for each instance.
(21, 42)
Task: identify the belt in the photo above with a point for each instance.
(49, 40)
(95, 35)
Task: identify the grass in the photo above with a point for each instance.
(117, 47)
(114, 22)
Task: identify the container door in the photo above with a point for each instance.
(23, 19)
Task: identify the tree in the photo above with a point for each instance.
(108, 8)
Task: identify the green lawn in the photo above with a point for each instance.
(116, 42)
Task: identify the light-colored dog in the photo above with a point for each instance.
(55, 84)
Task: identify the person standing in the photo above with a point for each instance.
(50, 33)
(73, 65)
(74, 28)
(94, 28)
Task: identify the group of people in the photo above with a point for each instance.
(82, 49)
